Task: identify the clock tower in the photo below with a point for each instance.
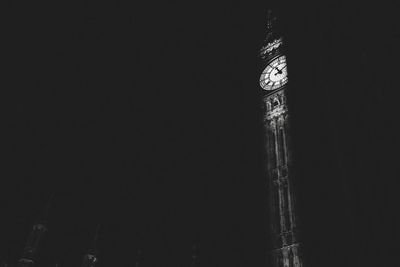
(283, 246)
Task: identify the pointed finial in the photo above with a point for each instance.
(45, 212)
(194, 255)
(138, 258)
(96, 236)
(97, 231)
(271, 19)
(194, 250)
(48, 205)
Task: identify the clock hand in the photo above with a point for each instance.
(279, 71)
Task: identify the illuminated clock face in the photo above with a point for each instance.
(274, 75)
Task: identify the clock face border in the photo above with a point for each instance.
(279, 60)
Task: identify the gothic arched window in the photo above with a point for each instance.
(276, 102)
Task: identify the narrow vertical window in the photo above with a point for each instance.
(282, 146)
(286, 209)
(276, 212)
(272, 153)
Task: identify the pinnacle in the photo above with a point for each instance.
(45, 212)
(96, 235)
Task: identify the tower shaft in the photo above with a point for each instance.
(283, 231)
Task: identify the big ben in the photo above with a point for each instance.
(283, 245)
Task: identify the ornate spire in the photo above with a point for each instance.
(45, 213)
(194, 256)
(270, 19)
(271, 26)
(95, 238)
(138, 258)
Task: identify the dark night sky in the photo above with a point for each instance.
(147, 119)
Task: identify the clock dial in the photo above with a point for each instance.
(275, 74)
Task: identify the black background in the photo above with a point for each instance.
(146, 118)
